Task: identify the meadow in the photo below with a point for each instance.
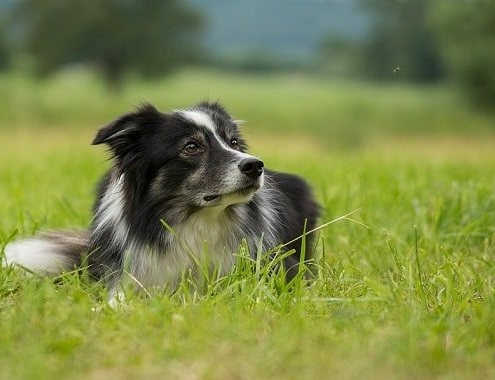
(406, 283)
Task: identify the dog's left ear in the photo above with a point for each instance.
(123, 134)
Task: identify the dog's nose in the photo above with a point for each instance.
(252, 167)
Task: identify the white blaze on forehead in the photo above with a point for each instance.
(202, 119)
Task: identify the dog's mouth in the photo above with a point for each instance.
(241, 192)
(210, 198)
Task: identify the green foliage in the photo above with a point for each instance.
(401, 44)
(425, 40)
(4, 50)
(149, 37)
(466, 37)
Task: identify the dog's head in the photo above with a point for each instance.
(195, 157)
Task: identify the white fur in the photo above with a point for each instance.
(110, 211)
(199, 118)
(36, 255)
(203, 242)
(116, 299)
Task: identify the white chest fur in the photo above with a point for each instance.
(204, 245)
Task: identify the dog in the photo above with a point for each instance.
(182, 193)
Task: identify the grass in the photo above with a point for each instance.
(412, 295)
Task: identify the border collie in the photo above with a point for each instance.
(182, 193)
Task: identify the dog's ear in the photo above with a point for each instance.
(117, 131)
(123, 134)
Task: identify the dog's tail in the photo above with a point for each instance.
(50, 253)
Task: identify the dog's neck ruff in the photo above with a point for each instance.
(208, 239)
(111, 212)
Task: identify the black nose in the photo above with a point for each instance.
(252, 167)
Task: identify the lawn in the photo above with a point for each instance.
(406, 284)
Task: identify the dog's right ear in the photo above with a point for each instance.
(117, 131)
(123, 134)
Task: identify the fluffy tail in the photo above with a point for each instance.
(50, 253)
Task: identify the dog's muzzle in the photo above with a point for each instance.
(244, 187)
(252, 167)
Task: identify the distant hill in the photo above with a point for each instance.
(281, 28)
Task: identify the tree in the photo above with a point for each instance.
(401, 43)
(146, 36)
(466, 37)
(4, 51)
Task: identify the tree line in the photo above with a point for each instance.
(410, 40)
(116, 37)
(423, 41)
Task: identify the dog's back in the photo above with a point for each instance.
(298, 212)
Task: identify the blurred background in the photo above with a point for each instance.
(343, 71)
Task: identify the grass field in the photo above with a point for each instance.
(408, 292)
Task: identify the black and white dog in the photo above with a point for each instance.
(182, 193)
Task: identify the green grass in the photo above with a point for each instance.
(410, 296)
(340, 112)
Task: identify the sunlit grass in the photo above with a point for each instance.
(409, 295)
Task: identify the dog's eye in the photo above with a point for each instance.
(191, 148)
(234, 143)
